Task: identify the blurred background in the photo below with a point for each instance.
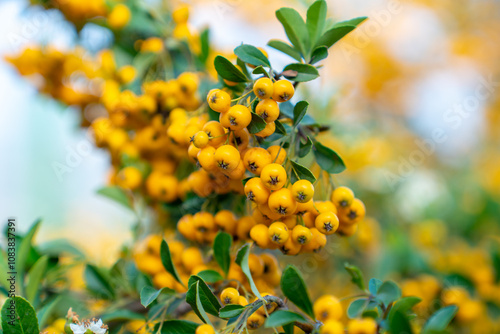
(412, 97)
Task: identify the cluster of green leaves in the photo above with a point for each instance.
(309, 44)
(40, 276)
(383, 301)
(201, 294)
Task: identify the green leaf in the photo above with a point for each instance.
(316, 17)
(285, 48)
(338, 31)
(199, 305)
(177, 327)
(373, 285)
(210, 303)
(388, 292)
(257, 124)
(305, 148)
(289, 329)
(282, 317)
(403, 305)
(301, 173)
(334, 35)
(121, 315)
(35, 277)
(440, 319)
(299, 111)
(295, 28)
(97, 282)
(24, 250)
(149, 294)
(19, 317)
(243, 67)
(352, 22)
(295, 289)
(210, 276)
(116, 194)
(166, 259)
(328, 159)
(357, 307)
(260, 70)
(228, 71)
(242, 261)
(231, 310)
(356, 275)
(399, 323)
(280, 129)
(251, 55)
(45, 312)
(222, 248)
(205, 45)
(300, 72)
(319, 53)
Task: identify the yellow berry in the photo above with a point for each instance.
(278, 233)
(263, 88)
(229, 296)
(283, 90)
(303, 191)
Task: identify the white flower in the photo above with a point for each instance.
(97, 327)
(78, 328)
(87, 326)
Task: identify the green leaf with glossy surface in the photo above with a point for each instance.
(299, 111)
(285, 48)
(328, 159)
(295, 289)
(150, 294)
(242, 261)
(177, 327)
(260, 70)
(210, 303)
(19, 317)
(222, 247)
(282, 317)
(304, 148)
(228, 70)
(301, 173)
(280, 129)
(300, 72)
(231, 310)
(166, 260)
(210, 276)
(319, 53)
(295, 28)
(257, 124)
(251, 55)
(316, 17)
